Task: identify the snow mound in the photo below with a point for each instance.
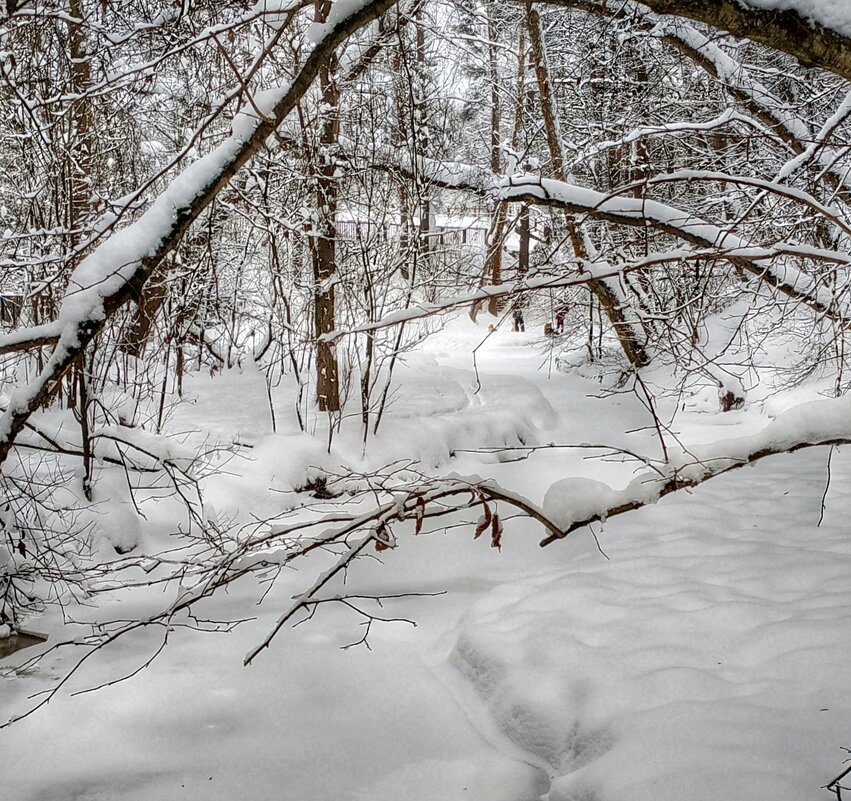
(574, 499)
(452, 413)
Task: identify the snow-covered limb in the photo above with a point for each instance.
(258, 12)
(568, 505)
(28, 338)
(819, 141)
(682, 225)
(116, 271)
(771, 187)
(778, 119)
(574, 503)
(586, 272)
(419, 311)
(722, 120)
(640, 212)
(157, 449)
(815, 32)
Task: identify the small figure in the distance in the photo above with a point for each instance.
(561, 311)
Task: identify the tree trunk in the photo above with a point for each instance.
(630, 342)
(496, 233)
(323, 238)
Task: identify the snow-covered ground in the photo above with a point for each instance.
(696, 649)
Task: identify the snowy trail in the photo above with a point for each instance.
(310, 720)
(706, 657)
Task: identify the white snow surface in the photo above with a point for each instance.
(704, 656)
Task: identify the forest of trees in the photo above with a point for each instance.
(309, 186)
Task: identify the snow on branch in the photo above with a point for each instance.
(726, 118)
(573, 503)
(28, 338)
(639, 212)
(587, 272)
(832, 214)
(815, 32)
(117, 270)
(779, 121)
(688, 227)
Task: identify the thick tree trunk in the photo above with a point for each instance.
(786, 30)
(323, 239)
(150, 302)
(525, 230)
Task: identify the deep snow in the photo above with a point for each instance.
(704, 656)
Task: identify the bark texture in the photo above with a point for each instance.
(323, 247)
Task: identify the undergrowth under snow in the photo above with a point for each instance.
(697, 648)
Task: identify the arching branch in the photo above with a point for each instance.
(779, 120)
(809, 41)
(640, 213)
(116, 271)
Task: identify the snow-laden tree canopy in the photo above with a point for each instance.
(290, 199)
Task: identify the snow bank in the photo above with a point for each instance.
(706, 659)
(438, 411)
